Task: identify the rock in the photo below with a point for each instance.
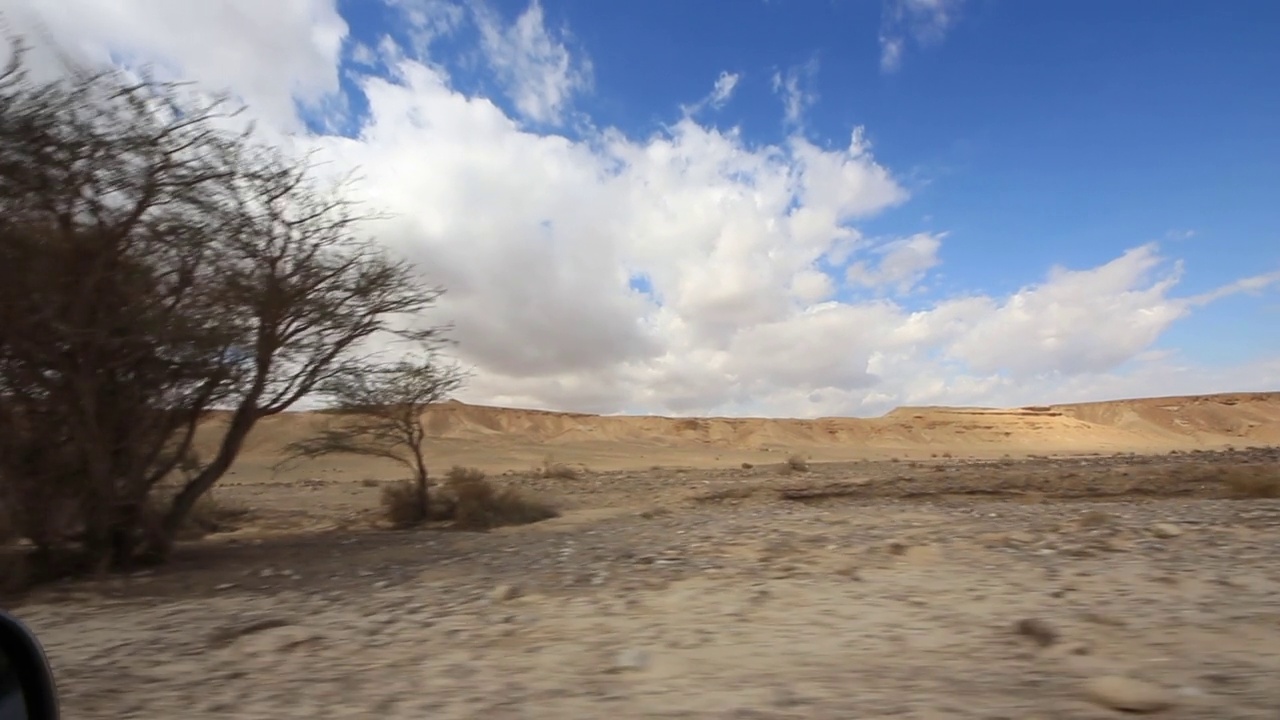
(505, 592)
(1037, 630)
(850, 572)
(224, 586)
(897, 547)
(784, 697)
(1123, 693)
(630, 660)
(1165, 531)
(276, 640)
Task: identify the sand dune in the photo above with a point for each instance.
(501, 438)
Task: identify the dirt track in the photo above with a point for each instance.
(683, 593)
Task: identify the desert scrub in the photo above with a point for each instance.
(478, 504)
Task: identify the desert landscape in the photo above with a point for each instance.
(1069, 561)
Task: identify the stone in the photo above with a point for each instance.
(276, 640)
(1127, 694)
(1037, 630)
(505, 592)
(1165, 531)
(630, 660)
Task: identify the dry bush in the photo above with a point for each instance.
(459, 474)
(797, 463)
(15, 571)
(208, 516)
(747, 466)
(370, 482)
(401, 505)
(13, 560)
(480, 505)
(8, 530)
(1252, 481)
(561, 471)
(212, 515)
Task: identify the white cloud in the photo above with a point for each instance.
(719, 96)
(538, 72)
(269, 53)
(903, 263)
(752, 251)
(796, 88)
(1076, 322)
(428, 20)
(724, 88)
(924, 21)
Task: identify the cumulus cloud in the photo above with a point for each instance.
(272, 55)
(925, 22)
(691, 271)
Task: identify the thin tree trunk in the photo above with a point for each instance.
(241, 424)
(424, 498)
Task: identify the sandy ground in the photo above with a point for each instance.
(928, 588)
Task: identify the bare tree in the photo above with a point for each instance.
(156, 266)
(380, 413)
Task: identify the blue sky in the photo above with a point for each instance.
(803, 207)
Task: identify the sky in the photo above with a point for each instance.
(791, 208)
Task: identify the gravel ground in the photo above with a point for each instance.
(662, 595)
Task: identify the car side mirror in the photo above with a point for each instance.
(27, 691)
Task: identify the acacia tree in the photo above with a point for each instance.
(380, 412)
(156, 266)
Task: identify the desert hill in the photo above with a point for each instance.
(505, 438)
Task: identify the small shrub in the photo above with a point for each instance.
(1256, 482)
(13, 560)
(747, 466)
(211, 515)
(459, 474)
(370, 482)
(401, 504)
(480, 505)
(15, 571)
(798, 463)
(8, 530)
(551, 469)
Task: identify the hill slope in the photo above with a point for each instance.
(513, 438)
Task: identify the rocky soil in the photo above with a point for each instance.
(1069, 588)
